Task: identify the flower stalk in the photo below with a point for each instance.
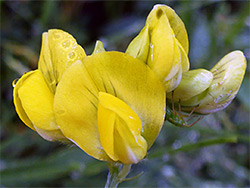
(117, 174)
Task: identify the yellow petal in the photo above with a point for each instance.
(164, 42)
(45, 64)
(36, 103)
(177, 25)
(228, 74)
(75, 105)
(180, 64)
(98, 47)
(162, 50)
(193, 83)
(134, 83)
(52, 135)
(171, 84)
(173, 79)
(17, 102)
(184, 58)
(129, 149)
(176, 64)
(119, 129)
(127, 78)
(59, 50)
(139, 46)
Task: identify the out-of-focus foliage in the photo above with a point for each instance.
(213, 153)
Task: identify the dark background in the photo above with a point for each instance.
(213, 153)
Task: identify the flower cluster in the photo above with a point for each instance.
(109, 104)
(112, 104)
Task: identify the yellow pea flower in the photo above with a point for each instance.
(33, 93)
(111, 105)
(211, 91)
(163, 45)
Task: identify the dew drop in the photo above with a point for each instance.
(66, 44)
(72, 55)
(14, 82)
(152, 51)
(57, 35)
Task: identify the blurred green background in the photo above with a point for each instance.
(213, 153)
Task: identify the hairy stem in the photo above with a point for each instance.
(117, 174)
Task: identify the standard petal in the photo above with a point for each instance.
(75, 105)
(119, 74)
(184, 58)
(59, 50)
(134, 83)
(45, 64)
(177, 25)
(120, 130)
(162, 50)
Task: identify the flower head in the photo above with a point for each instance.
(163, 45)
(34, 92)
(111, 105)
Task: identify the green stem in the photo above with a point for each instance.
(204, 143)
(117, 174)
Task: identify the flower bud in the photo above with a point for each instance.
(193, 82)
(228, 74)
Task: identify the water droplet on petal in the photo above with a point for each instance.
(56, 35)
(72, 55)
(66, 44)
(14, 82)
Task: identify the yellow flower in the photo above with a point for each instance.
(211, 91)
(111, 105)
(34, 92)
(163, 45)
